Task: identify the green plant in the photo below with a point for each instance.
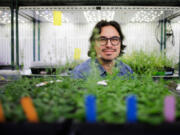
(68, 66)
(147, 63)
(65, 100)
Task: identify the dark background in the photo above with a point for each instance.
(91, 2)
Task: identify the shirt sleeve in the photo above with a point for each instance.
(77, 74)
(129, 69)
(125, 69)
(82, 70)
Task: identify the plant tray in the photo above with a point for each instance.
(46, 70)
(88, 129)
(34, 129)
(126, 129)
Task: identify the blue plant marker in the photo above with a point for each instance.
(90, 106)
(131, 113)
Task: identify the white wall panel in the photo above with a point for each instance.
(140, 36)
(173, 50)
(58, 42)
(26, 44)
(5, 45)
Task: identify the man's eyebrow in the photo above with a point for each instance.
(103, 37)
(110, 37)
(115, 37)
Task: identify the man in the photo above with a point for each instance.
(106, 46)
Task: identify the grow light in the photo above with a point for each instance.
(5, 18)
(146, 16)
(95, 16)
(48, 16)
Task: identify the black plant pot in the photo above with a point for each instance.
(169, 70)
(126, 129)
(40, 70)
(10, 67)
(35, 128)
(166, 71)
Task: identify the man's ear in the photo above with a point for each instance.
(122, 49)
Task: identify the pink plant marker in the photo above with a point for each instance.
(169, 108)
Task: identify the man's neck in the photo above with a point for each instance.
(107, 64)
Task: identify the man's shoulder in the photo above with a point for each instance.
(124, 66)
(82, 69)
(83, 66)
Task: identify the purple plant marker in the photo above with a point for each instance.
(169, 108)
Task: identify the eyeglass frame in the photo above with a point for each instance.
(98, 39)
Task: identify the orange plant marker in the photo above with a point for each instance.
(29, 109)
(2, 118)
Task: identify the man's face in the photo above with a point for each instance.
(106, 49)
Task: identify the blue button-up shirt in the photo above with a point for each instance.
(85, 68)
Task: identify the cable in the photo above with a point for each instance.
(157, 32)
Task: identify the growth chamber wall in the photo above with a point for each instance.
(43, 43)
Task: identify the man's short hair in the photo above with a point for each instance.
(97, 30)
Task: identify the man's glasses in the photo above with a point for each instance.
(104, 40)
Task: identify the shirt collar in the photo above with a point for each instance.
(102, 70)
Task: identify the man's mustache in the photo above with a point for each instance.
(114, 50)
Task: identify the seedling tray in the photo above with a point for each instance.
(35, 128)
(88, 129)
(39, 69)
(126, 129)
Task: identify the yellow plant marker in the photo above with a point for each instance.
(2, 78)
(57, 18)
(29, 109)
(2, 118)
(77, 53)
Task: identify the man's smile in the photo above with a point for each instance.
(107, 50)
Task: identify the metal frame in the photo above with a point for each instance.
(12, 34)
(17, 35)
(93, 2)
(99, 2)
(116, 8)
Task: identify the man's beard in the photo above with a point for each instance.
(106, 61)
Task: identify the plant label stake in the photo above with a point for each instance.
(90, 106)
(29, 109)
(77, 53)
(169, 108)
(131, 114)
(2, 118)
(57, 18)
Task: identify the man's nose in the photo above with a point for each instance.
(108, 43)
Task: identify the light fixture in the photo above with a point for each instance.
(146, 16)
(5, 18)
(95, 16)
(48, 16)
